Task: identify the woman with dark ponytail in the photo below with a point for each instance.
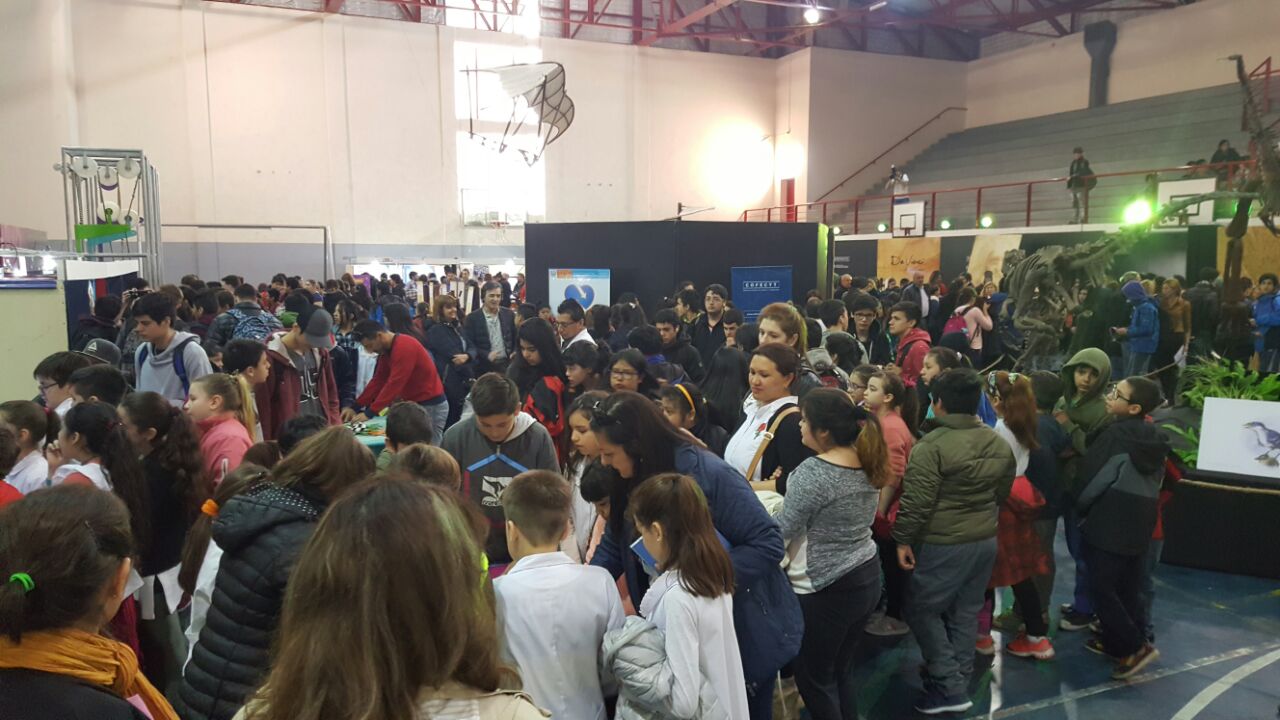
(94, 449)
(826, 520)
(36, 427)
(167, 442)
(67, 555)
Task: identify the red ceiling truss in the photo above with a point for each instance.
(947, 29)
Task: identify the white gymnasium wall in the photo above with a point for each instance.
(863, 103)
(1156, 54)
(255, 115)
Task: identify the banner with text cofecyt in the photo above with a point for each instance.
(755, 287)
(588, 287)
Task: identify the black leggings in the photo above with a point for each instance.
(834, 618)
(895, 578)
(1028, 601)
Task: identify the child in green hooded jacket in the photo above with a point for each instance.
(1082, 411)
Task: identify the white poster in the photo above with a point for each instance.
(588, 287)
(1240, 436)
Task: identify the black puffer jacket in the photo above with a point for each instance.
(261, 534)
(89, 328)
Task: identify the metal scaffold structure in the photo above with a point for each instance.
(112, 202)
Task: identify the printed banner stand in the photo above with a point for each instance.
(588, 287)
(755, 287)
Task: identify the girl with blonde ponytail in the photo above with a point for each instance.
(217, 403)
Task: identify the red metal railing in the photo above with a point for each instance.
(852, 214)
(890, 149)
(1263, 73)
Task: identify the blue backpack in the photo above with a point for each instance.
(252, 327)
(179, 364)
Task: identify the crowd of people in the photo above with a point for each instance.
(579, 512)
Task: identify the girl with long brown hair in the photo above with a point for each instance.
(261, 532)
(826, 522)
(389, 615)
(169, 446)
(691, 601)
(895, 406)
(201, 556)
(1020, 556)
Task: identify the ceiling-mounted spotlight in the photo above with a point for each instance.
(877, 5)
(129, 168)
(812, 16)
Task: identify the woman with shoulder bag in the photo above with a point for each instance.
(767, 446)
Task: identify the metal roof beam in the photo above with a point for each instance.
(675, 27)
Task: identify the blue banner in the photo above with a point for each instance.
(755, 287)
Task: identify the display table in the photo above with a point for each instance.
(374, 434)
(1224, 523)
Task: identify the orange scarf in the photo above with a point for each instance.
(87, 657)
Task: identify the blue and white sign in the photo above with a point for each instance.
(588, 287)
(755, 287)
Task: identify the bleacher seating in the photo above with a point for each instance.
(1158, 132)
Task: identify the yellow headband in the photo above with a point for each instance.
(688, 397)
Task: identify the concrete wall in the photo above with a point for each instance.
(1156, 54)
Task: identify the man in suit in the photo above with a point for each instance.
(491, 331)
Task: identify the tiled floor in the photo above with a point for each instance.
(1218, 635)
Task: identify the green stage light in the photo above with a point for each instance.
(882, 228)
(1138, 212)
(945, 224)
(987, 221)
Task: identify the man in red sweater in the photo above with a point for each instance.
(405, 371)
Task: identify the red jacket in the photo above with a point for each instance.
(278, 397)
(8, 493)
(407, 372)
(913, 361)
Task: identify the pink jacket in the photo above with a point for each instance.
(223, 443)
(899, 441)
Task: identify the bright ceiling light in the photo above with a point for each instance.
(812, 16)
(945, 224)
(987, 221)
(882, 227)
(877, 5)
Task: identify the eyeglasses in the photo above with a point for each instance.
(857, 386)
(566, 323)
(864, 316)
(625, 373)
(44, 387)
(1113, 391)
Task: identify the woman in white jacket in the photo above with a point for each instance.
(691, 602)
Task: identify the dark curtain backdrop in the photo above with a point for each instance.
(649, 258)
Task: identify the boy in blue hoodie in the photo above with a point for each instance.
(1266, 313)
(1119, 506)
(1143, 333)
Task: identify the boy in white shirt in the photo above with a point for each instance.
(553, 612)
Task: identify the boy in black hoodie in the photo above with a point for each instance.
(1124, 467)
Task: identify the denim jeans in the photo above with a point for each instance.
(439, 413)
(1082, 600)
(947, 591)
(1137, 364)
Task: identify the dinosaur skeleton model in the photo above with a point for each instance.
(1038, 284)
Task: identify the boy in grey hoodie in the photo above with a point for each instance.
(167, 361)
(495, 444)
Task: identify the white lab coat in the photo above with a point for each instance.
(701, 642)
(552, 617)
